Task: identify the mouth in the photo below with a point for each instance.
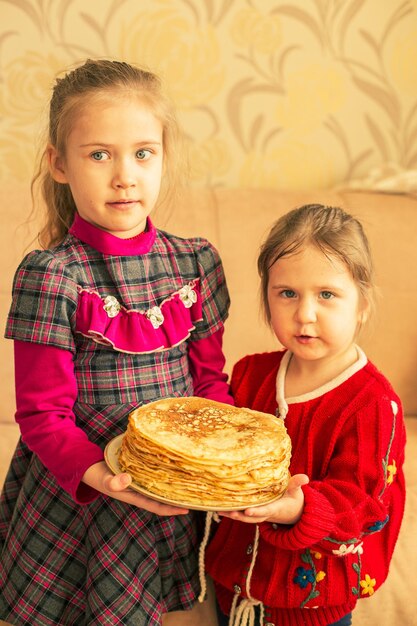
(305, 338)
(123, 204)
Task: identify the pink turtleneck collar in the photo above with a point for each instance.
(106, 243)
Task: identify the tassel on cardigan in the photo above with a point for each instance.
(242, 614)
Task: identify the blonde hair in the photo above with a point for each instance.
(70, 95)
(333, 231)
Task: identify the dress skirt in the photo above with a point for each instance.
(106, 562)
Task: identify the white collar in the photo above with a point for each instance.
(316, 393)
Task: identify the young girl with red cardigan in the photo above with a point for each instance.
(307, 558)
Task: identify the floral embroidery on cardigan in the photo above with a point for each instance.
(352, 547)
(368, 585)
(343, 549)
(377, 526)
(305, 576)
(390, 469)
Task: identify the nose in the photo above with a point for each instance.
(123, 175)
(306, 311)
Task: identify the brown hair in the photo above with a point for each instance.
(333, 231)
(70, 94)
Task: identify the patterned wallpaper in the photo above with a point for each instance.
(271, 93)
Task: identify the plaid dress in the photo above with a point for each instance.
(104, 562)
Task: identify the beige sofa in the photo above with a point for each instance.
(235, 221)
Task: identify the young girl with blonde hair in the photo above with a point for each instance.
(307, 558)
(113, 314)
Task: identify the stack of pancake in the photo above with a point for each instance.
(205, 453)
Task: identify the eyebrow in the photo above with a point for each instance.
(279, 285)
(102, 144)
(324, 287)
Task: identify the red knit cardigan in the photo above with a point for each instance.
(350, 441)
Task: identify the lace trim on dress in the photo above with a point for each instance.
(163, 326)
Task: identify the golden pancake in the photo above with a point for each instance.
(207, 453)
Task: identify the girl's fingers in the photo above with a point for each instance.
(285, 510)
(119, 482)
(295, 482)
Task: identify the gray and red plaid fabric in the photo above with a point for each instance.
(105, 562)
(46, 294)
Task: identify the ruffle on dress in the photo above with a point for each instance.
(107, 322)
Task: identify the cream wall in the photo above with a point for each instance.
(271, 93)
(284, 94)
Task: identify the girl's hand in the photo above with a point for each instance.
(116, 486)
(286, 510)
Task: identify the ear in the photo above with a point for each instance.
(364, 312)
(56, 164)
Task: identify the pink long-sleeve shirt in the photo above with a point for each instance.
(46, 391)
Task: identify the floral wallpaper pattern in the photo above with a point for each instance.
(271, 93)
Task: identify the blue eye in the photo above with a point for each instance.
(288, 293)
(99, 155)
(326, 295)
(143, 155)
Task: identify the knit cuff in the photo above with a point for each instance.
(316, 522)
